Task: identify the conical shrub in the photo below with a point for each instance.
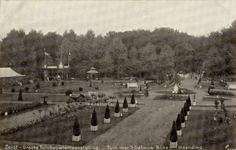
(186, 106)
(117, 108)
(178, 122)
(20, 98)
(189, 101)
(125, 104)
(94, 120)
(182, 117)
(132, 99)
(107, 113)
(76, 129)
(173, 133)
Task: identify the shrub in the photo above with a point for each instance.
(37, 85)
(68, 92)
(20, 95)
(173, 133)
(76, 129)
(13, 90)
(54, 84)
(62, 83)
(132, 99)
(117, 108)
(94, 119)
(26, 89)
(80, 89)
(125, 104)
(107, 113)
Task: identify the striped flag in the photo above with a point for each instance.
(46, 53)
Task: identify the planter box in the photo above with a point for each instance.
(125, 109)
(186, 118)
(194, 103)
(174, 144)
(6, 113)
(183, 124)
(132, 105)
(94, 128)
(179, 132)
(76, 138)
(117, 115)
(107, 120)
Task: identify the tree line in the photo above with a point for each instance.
(140, 53)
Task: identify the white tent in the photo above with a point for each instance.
(8, 72)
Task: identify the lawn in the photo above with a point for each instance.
(59, 130)
(202, 130)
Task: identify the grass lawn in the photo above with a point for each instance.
(59, 130)
(202, 130)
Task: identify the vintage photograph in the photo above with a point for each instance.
(117, 75)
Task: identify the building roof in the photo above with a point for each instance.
(8, 72)
(92, 70)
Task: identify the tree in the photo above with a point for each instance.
(125, 104)
(76, 128)
(117, 108)
(132, 99)
(178, 122)
(173, 133)
(118, 52)
(107, 112)
(20, 98)
(94, 120)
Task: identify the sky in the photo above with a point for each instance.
(195, 17)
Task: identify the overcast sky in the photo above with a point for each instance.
(192, 16)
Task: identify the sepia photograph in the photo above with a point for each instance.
(117, 75)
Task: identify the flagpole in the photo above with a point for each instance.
(45, 63)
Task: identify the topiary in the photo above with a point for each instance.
(132, 99)
(125, 104)
(117, 108)
(13, 90)
(178, 122)
(80, 89)
(107, 113)
(173, 133)
(20, 96)
(26, 89)
(94, 119)
(54, 84)
(37, 85)
(76, 128)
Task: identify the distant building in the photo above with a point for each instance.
(59, 72)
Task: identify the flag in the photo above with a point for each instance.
(46, 53)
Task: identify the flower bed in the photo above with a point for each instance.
(171, 97)
(15, 108)
(58, 130)
(224, 93)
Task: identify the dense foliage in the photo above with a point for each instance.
(141, 53)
